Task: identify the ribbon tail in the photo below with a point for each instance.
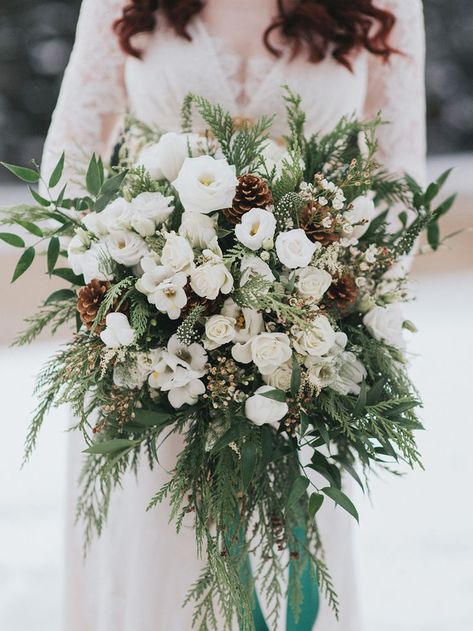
(303, 619)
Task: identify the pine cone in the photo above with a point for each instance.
(252, 192)
(193, 300)
(342, 293)
(311, 222)
(89, 299)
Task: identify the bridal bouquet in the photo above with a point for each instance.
(247, 295)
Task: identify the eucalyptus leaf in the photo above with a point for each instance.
(92, 178)
(22, 173)
(315, 502)
(297, 491)
(342, 500)
(24, 263)
(59, 296)
(274, 395)
(53, 254)
(57, 172)
(67, 274)
(38, 198)
(12, 239)
(30, 227)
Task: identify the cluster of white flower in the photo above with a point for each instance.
(190, 261)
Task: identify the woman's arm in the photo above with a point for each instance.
(92, 100)
(397, 89)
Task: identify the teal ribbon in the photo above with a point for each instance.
(308, 611)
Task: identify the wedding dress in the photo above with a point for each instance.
(136, 575)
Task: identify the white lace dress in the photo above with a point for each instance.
(137, 574)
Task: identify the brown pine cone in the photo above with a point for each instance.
(89, 299)
(342, 293)
(311, 222)
(193, 300)
(252, 192)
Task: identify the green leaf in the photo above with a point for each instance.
(67, 274)
(297, 491)
(22, 173)
(375, 392)
(30, 227)
(37, 197)
(431, 192)
(443, 178)
(12, 239)
(57, 173)
(342, 500)
(59, 296)
(433, 235)
(349, 469)
(24, 263)
(445, 206)
(248, 463)
(315, 502)
(267, 442)
(295, 377)
(274, 395)
(322, 429)
(111, 446)
(108, 191)
(92, 178)
(152, 418)
(53, 254)
(399, 408)
(361, 401)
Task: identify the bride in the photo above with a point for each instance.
(342, 57)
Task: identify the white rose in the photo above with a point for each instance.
(118, 331)
(148, 211)
(361, 212)
(177, 253)
(253, 266)
(256, 226)
(205, 184)
(350, 374)
(267, 350)
(294, 248)
(316, 340)
(164, 159)
(219, 330)
(117, 215)
(261, 410)
(386, 324)
(312, 282)
(248, 322)
(209, 279)
(281, 378)
(198, 229)
(126, 248)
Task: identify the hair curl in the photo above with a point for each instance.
(320, 27)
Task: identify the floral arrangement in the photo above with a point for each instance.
(245, 294)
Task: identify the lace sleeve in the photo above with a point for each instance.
(397, 89)
(92, 98)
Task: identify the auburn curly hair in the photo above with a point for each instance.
(320, 27)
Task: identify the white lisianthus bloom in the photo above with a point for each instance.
(281, 377)
(210, 279)
(256, 226)
(205, 184)
(294, 248)
(219, 330)
(192, 355)
(91, 263)
(312, 282)
(264, 411)
(320, 371)
(95, 224)
(253, 266)
(118, 331)
(248, 322)
(148, 211)
(164, 159)
(126, 248)
(386, 324)
(198, 229)
(177, 253)
(164, 288)
(341, 340)
(117, 215)
(267, 350)
(316, 340)
(361, 212)
(350, 373)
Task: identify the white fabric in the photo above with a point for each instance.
(136, 575)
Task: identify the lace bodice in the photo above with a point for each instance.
(101, 83)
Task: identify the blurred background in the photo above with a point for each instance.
(416, 535)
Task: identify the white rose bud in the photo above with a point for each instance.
(219, 330)
(313, 283)
(177, 253)
(205, 184)
(294, 248)
(264, 411)
(210, 279)
(148, 211)
(267, 350)
(198, 229)
(362, 211)
(256, 226)
(164, 159)
(281, 378)
(316, 341)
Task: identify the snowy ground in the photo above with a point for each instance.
(416, 542)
